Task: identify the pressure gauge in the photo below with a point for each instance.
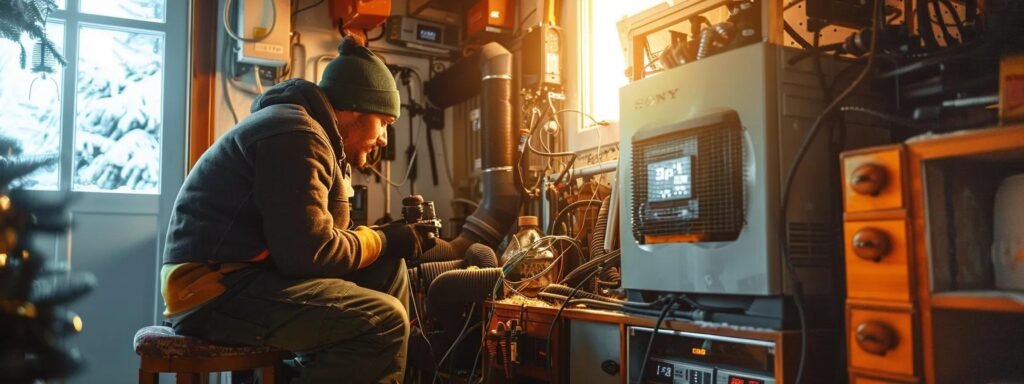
(552, 41)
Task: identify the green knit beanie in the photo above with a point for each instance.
(357, 80)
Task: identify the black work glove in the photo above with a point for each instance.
(402, 240)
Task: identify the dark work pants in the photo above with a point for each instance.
(351, 330)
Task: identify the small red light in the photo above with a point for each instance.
(736, 380)
(755, 382)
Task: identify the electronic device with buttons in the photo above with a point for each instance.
(704, 150)
(694, 358)
(423, 35)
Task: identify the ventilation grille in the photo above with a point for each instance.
(810, 244)
(708, 207)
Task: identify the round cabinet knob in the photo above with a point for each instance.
(868, 179)
(611, 367)
(875, 337)
(870, 244)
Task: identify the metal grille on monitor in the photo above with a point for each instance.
(688, 184)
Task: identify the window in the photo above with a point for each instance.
(603, 64)
(31, 96)
(112, 121)
(148, 10)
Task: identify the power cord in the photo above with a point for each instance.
(308, 7)
(423, 332)
(791, 175)
(224, 82)
(469, 317)
(551, 328)
(654, 333)
(226, 19)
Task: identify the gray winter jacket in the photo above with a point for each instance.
(277, 182)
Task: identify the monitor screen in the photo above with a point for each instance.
(670, 179)
(428, 33)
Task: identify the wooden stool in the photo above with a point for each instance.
(192, 359)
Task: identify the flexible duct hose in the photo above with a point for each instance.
(442, 251)
(430, 271)
(597, 241)
(500, 205)
(481, 256)
(580, 272)
(462, 286)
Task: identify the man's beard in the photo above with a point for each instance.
(354, 158)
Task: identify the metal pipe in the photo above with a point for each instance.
(591, 170)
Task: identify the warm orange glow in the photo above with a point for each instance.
(699, 351)
(604, 62)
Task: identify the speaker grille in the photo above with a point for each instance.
(710, 207)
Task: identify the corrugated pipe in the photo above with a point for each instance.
(600, 229)
(430, 271)
(462, 286)
(500, 205)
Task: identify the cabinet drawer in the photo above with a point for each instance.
(876, 260)
(873, 181)
(881, 340)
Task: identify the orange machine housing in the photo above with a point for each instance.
(489, 20)
(359, 14)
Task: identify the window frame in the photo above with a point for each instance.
(73, 20)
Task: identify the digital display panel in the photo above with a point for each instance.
(670, 179)
(663, 371)
(428, 33)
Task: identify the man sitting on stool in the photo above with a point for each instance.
(259, 250)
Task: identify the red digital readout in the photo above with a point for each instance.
(740, 380)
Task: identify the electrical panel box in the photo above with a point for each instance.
(541, 57)
(264, 25)
(359, 14)
(490, 20)
(421, 34)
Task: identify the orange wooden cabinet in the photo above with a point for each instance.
(880, 311)
(921, 303)
(873, 179)
(877, 260)
(881, 339)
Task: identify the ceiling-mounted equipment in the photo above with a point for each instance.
(449, 12)
(490, 20)
(359, 14)
(421, 34)
(263, 27)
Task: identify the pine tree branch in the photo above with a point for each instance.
(18, 17)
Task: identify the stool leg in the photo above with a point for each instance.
(148, 377)
(267, 374)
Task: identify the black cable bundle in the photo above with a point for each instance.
(790, 177)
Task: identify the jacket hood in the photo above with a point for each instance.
(307, 95)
